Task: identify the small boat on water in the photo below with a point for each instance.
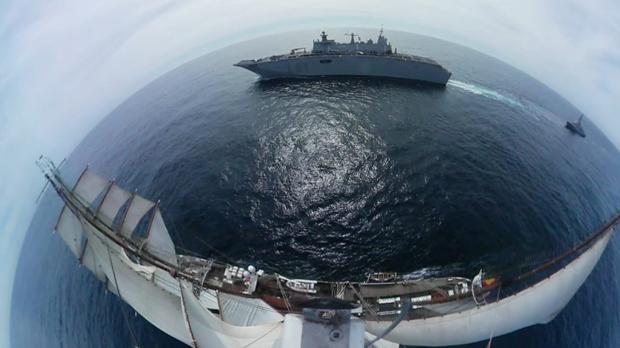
(121, 237)
(576, 126)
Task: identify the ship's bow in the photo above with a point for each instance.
(249, 64)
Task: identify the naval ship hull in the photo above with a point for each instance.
(314, 66)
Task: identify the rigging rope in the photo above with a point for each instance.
(188, 252)
(288, 306)
(224, 256)
(176, 232)
(363, 301)
(265, 334)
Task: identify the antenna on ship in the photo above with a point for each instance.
(323, 36)
(353, 35)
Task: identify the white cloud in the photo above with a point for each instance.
(64, 65)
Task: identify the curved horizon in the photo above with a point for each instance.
(65, 73)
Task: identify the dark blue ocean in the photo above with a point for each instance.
(332, 178)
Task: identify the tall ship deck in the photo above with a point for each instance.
(353, 59)
(121, 237)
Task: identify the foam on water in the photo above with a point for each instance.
(485, 92)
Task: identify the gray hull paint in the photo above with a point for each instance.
(349, 65)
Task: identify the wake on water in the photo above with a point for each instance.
(530, 107)
(485, 92)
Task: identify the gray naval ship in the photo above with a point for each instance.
(355, 58)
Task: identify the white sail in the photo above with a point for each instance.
(164, 309)
(89, 186)
(114, 199)
(211, 332)
(208, 299)
(70, 229)
(241, 311)
(90, 261)
(159, 242)
(136, 211)
(100, 254)
(145, 271)
(538, 304)
(164, 280)
(111, 287)
(99, 250)
(161, 308)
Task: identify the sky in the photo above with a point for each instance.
(64, 65)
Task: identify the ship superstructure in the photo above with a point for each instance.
(356, 58)
(122, 238)
(327, 46)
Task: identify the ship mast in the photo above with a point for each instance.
(352, 35)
